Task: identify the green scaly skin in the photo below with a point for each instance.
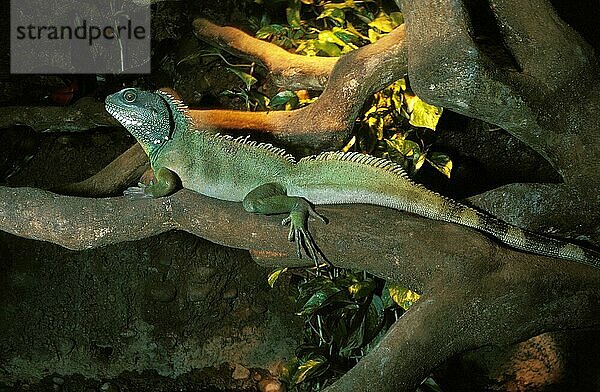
(267, 180)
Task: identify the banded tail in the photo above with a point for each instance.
(338, 177)
(523, 239)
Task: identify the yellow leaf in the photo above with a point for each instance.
(383, 23)
(349, 145)
(403, 297)
(329, 36)
(374, 35)
(306, 368)
(441, 162)
(345, 4)
(376, 124)
(421, 113)
(275, 275)
(419, 162)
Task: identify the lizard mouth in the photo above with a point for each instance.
(118, 114)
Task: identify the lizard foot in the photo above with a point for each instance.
(301, 235)
(136, 192)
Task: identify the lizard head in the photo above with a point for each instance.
(151, 117)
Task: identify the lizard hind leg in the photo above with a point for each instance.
(270, 199)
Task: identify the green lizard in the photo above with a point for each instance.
(267, 180)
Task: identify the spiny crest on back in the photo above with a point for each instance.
(182, 108)
(245, 140)
(361, 158)
(176, 104)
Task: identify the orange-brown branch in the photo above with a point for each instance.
(285, 69)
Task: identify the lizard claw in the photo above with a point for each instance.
(300, 234)
(314, 214)
(136, 192)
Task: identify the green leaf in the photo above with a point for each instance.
(335, 14)
(374, 342)
(383, 23)
(330, 36)
(248, 79)
(354, 31)
(318, 299)
(397, 18)
(356, 338)
(430, 385)
(284, 98)
(403, 150)
(386, 298)
(397, 96)
(311, 286)
(346, 36)
(273, 276)
(259, 100)
(402, 296)
(411, 149)
(376, 125)
(289, 369)
(307, 48)
(292, 13)
(331, 49)
(441, 162)
(374, 318)
(418, 161)
(396, 144)
(269, 31)
(239, 94)
(312, 47)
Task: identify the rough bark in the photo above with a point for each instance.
(125, 169)
(476, 292)
(550, 104)
(83, 115)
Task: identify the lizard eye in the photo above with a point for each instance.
(129, 96)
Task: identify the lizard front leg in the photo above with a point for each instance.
(272, 199)
(164, 183)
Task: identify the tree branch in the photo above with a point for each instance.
(455, 318)
(541, 207)
(127, 168)
(287, 70)
(328, 121)
(81, 223)
(467, 279)
(453, 72)
(545, 47)
(85, 114)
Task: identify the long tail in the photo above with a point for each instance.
(337, 177)
(519, 238)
